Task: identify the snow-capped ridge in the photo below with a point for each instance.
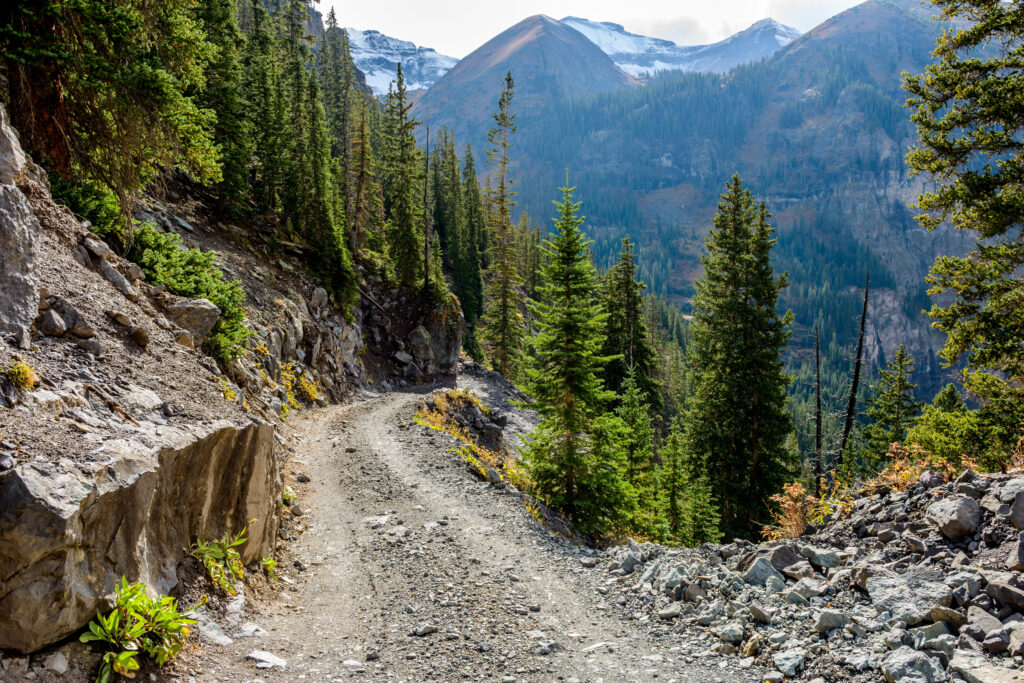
(378, 55)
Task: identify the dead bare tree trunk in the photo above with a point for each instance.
(851, 407)
(817, 414)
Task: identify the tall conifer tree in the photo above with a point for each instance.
(574, 455)
(503, 327)
(626, 333)
(736, 422)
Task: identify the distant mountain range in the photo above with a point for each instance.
(645, 56)
(378, 55)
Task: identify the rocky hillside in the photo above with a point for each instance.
(920, 585)
(122, 441)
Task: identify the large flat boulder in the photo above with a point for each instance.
(68, 531)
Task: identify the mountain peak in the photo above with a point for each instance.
(378, 56)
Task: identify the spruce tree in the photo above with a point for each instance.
(574, 455)
(365, 208)
(626, 334)
(690, 512)
(223, 94)
(468, 273)
(892, 407)
(641, 473)
(503, 327)
(967, 109)
(736, 421)
(261, 85)
(402, 186)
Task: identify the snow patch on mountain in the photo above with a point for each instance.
(645, 56)
(378, 56)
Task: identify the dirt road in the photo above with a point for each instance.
(411, 570)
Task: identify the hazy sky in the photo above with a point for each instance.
(457, 27)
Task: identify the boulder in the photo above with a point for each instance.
(930, 479)
(975, 669)
(955, 517)
(121, 284)
(1009, 490)
(51, 324)
(760, 571)
(1005, 594)
(195, 316)
(444, 325)
(906, 665)
(1017, 511)
(909, 597)
(820, 558)
(1015, 555)
(419, 344)
(72, 533)
(73, 320)
(789, 662)
(830, 619)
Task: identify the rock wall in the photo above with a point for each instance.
(66, 535)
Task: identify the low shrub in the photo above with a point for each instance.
(194, 273)
(138, 623)
(21, 375)
(221, 559)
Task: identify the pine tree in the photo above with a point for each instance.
(641, 473)
(691, 514)
(966, 107)
(261, 86)
(574, 455)
(736, 421)
(401, 185)
(626, 334)
(503, 326)
(365, 209)
(468, 272)
(892, 407)
(223, 94)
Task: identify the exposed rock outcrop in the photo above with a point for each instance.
(67, 533)
(19, 233)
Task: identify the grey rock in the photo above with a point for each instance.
(57, 663)
(7, 462)
(210, 630)
(1005, 594)
(759, 613)
(974, 668)
(982, 620)
(1017, 511)
(403, 357)
(319, 298)
(915, 544)
(760, 571)
(819, 557)
(589, 562)
(997, 642)
(97, 246)
(955, 517)
(794, 598)
(1015, 555)
(14, 163)
(909, 597)
(91, 346)
(670, 611)
(420, 344)
(19, 236)
(52, 325)
(930, 479)
(789, 662)
(266, 660)
(66, 533)
(196, 316)
(809, 588)
(800, 570)
(120, 282)
(1009, 490)
(730, 632)
(424, 629)
(73, 320)
(906, 665)
(830, 619)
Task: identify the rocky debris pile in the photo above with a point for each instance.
(911, 586)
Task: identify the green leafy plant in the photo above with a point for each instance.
(138, 622)
(21, 375)
(193, 273)
(269, 565)
(221, 559)
(288, 495)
